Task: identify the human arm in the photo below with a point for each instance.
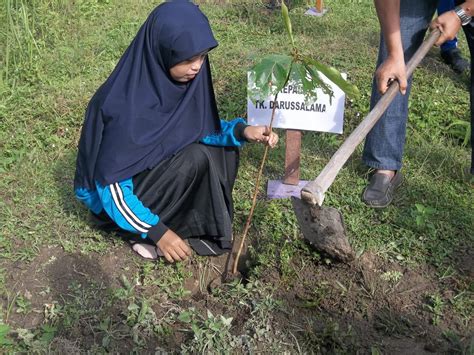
(393, 68)
(235, 133)
(468, 7)
(449, 22)
(128, 212)
(231, 134)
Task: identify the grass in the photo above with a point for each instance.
(54, 55)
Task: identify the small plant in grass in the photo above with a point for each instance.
(142, 319)
(391, 276)
(5, 341)
(210, 334)
(435, 305)
(23, 305)
(461, 130)
(423, 215)
(35, 341)
(126, 291)
(52, 312)
(463, 304)
(329, 338)
(106, 326)
(269, 76)
(456, 343)
(170, 280)
(139, 316)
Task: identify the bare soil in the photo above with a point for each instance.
(335, 308)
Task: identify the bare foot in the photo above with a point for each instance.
(389, 173)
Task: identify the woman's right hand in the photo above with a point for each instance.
(261, 134)
(173, 247)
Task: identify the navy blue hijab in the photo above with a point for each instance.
(140, 115)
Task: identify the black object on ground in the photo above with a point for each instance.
(455, 60)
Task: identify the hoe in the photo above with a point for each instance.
(323, 227)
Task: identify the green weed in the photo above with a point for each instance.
(391, 276)
(210, 333)
(23, 305)
(330, 338)
(435, 305)
(139, 316)
(463, 304)
(31, 341)
(109, 332)
(423, 214)
(5, 341)
(142, 319)
(169, 279)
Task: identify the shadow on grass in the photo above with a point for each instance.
(82, 232)
(64, 177)
(90, 315)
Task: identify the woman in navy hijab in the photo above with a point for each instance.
(154, 158)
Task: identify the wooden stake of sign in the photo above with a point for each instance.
(292, 157)
(318, 9)
(319, 5)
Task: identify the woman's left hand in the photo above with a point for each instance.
(261, 134)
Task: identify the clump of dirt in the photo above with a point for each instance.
(323, 228)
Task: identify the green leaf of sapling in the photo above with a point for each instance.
(309, 81)
(269, 76)
(300, 76)
(286, 20)
(334, 75)
(320, 83)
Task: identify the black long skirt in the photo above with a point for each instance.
(191, 192)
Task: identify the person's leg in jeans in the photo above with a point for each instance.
(449, 51)
(384, 144)
(469, 31)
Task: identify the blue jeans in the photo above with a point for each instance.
(469, 32)
(444, 6)
(384, 144)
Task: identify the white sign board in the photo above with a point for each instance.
(292, 112)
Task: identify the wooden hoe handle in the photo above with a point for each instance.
(313, 192)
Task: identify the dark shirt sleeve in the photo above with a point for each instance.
(156, 232)
(239, 131)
